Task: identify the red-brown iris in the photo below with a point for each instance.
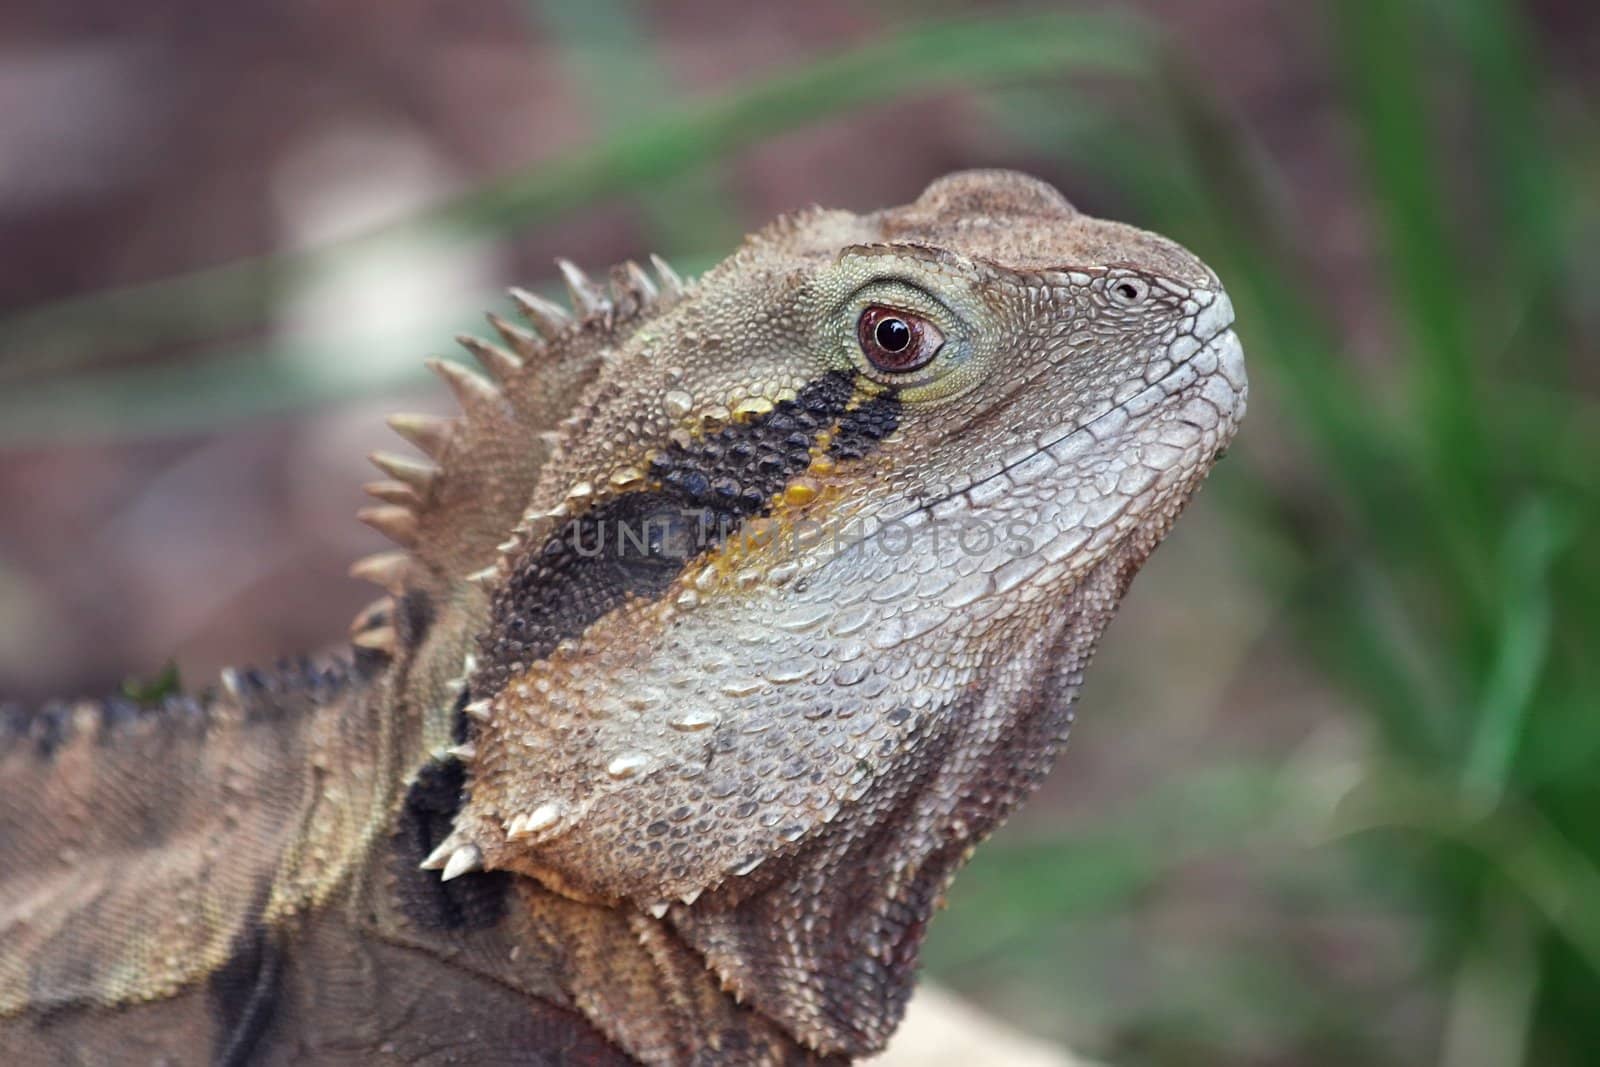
(897, 341)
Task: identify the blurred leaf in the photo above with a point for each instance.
(232, 382)
(235, 382)
(1492, 997)
(935, 54)
(613, 57)
(1533, 539)
(1533, 222)
(1014, 891)
(150, 692)
(1383, 57)
(1546, 868)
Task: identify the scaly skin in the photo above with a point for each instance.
(725, 627)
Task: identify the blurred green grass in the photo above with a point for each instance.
(1451, 586)
(1434, 557)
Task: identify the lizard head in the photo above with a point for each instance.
(801, 590)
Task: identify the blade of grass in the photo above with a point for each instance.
(1494, 991)
(1535, 536)
(1380, 54)
(1379, 48)
(1359, 628)
(1533, 221)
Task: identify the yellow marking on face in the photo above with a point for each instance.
(799, 516)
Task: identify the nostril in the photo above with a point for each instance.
(1129, 292)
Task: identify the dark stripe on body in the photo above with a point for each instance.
(638, 543)
(471, 902)
(413, 617)
(244, 994)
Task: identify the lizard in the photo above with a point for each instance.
(725, 619)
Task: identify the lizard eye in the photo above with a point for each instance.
(897, 341)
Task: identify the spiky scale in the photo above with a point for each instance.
(500, 365)
(540, 818)
(626, 766)
(525, 343)
(430, 433)
(419, 476)
(378, 639)
(472, 391)
(630, 283)
(376, 613)
(671, 282)
(388, 570)
(440, 855)
(398, 524)
(588, 299)
(464, 860)
(392, 492)
(548, 317)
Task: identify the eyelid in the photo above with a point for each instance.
(881, 291)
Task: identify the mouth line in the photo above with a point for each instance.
(1185, 364)
(1055, 439)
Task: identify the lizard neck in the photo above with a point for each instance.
(643, 985)
(634, 978)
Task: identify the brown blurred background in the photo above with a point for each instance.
(179, 484)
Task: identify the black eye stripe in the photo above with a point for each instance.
(636, 544)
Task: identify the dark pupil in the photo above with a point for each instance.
(892, 335)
